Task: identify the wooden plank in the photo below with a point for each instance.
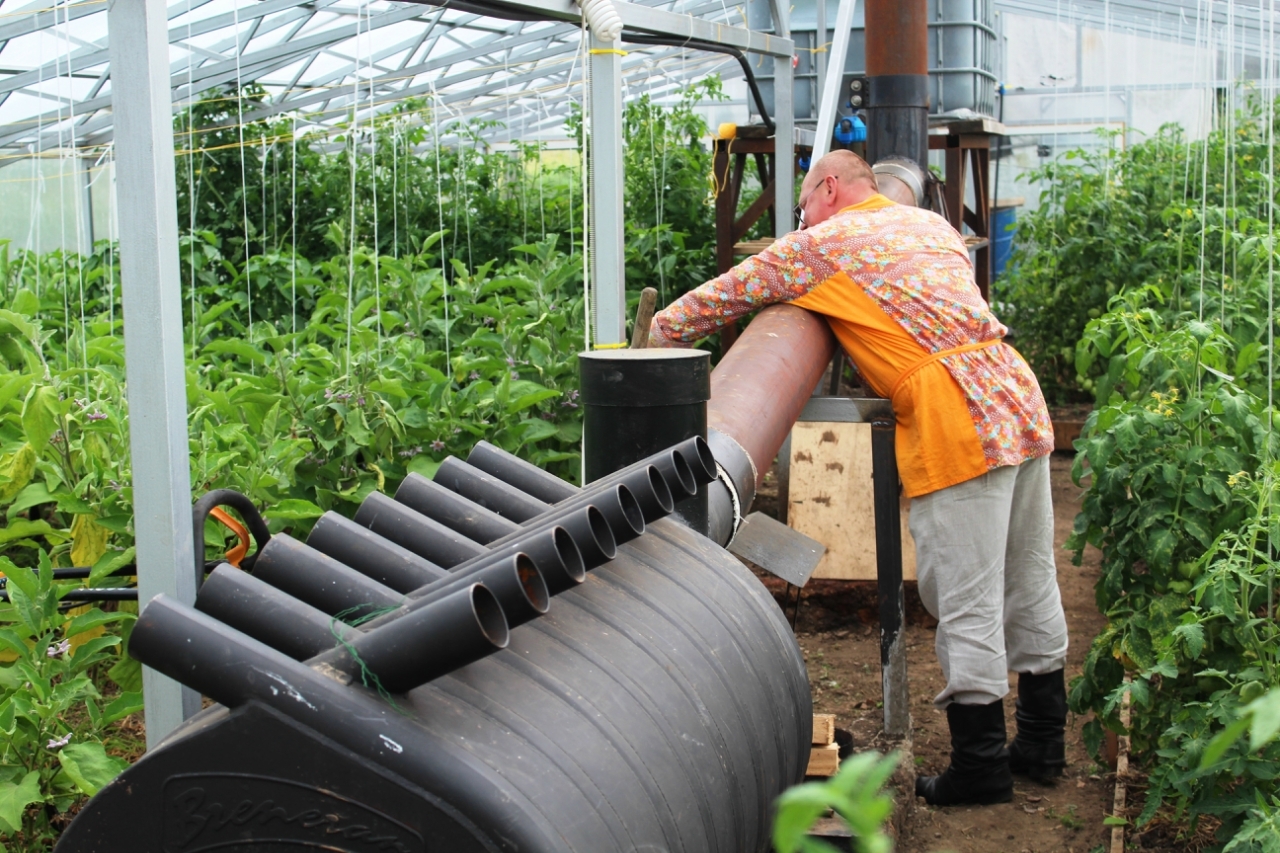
(824, 729)
(752, 247)
(1122, 770)
(824, 760)
(1065, 434)
(831, 499)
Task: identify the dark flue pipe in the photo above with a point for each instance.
(514, 471)
(584, 528)
(423, 645)
(232, 669)
(514, 581)
(268, 614)
(553, 550)
(646, 482)
(683, 467)
(407, 528)
(321, 581)
(898, 80)
(643, 485)
(371, 554)
(488, 491)
(618, 510)
(453, 510)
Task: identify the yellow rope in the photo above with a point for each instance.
(599, 50)
(622, 345)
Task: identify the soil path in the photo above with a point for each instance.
(836, 631)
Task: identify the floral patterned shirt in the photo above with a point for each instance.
(896, 285)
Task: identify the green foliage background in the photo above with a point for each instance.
(1145, 283)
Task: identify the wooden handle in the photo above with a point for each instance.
(644, 317)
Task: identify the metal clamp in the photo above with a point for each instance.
(906, 171)
(723, 476)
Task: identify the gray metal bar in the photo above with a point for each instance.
(152, 301)
(608, 277)
(831, 91)
(846, 410)
(650, 20)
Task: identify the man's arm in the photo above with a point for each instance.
(787, 270)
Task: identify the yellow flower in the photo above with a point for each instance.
(1237, 478)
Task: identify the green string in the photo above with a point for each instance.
(367, 676)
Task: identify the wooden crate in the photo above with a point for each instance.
(832, 500)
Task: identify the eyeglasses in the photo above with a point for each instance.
(798, 212)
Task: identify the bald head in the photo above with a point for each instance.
(839, 180)
(848, 167)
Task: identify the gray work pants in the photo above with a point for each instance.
(984, 561)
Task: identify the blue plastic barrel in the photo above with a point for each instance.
(1004, 224)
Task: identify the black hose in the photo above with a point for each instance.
(712, 47)
(123, 593)
(248, 512)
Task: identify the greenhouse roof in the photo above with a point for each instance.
(315, 59)
(1241, 25)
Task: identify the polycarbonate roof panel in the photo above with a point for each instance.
(315, 58)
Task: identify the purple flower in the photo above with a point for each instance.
(96, 416)
(511, 362)
(457, 430)
(573, 395)
(359, 401)
(437, 445)
(58, 743)
(515, 375)
(58, 649)
(412, 451)
(488, 321)
(474, 375)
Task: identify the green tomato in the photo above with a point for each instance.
(1180, 587)
(1251, 691)
(1206, 684)
(1094, 313)
(1187, 569)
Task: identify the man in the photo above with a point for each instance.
(973, 442)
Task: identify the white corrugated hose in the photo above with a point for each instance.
(602, 18)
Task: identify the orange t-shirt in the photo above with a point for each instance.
(896, 285)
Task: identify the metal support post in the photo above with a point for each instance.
(819, 55)
(893, 650)
(608, 277)
(830, 105)
(784, 120)
(152, 302)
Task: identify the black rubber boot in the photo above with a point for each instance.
(1039, 748)
(979, 771)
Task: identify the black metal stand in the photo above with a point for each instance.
(893, 655)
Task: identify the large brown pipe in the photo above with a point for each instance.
(897, 37)
(898, 80)
(761, 385)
